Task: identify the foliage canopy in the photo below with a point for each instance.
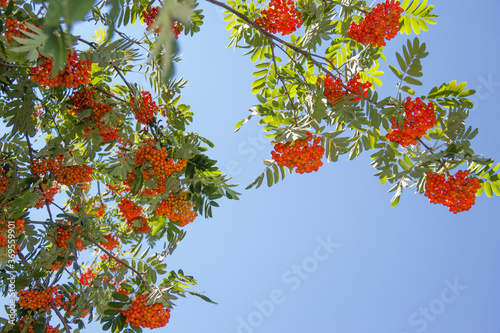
(131, 175)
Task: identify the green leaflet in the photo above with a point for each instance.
(416, 16)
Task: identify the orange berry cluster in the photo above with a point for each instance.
(4, 3)
(4, 183)
(355, 88)
(83, 99)
(281, 16)
(69, 306)
(13, 29)
(334, 90)
(150, 15)
(19, 226)
(148, 316)
(139, 225)
(117, 286)
(457, 192)
(300, 154)
(111, 242)
(48, 328)
(161, 165)
(4, 226)
(48, 194)
(176, 28)
(43, 166)
(107, 133)
(147, 108)
(177, 209)
(419, 117)
(129, 209)
(160, 187)
(36, 299)
(379, 24)
(77, 72)
(113, 264)
(87, 277)
(74, 174)
(101, 210)
(132, 213)
(63, 235)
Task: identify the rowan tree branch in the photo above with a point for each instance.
(39, 285)
(93, 241)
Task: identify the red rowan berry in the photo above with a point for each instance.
(419, 117)
(18, 226)
(334, 90)
(300, 154)
(129, 209)
(87, 277)
(111, 242)
(176, 28)
(43, 166)
(161, 164)
(74, 174)
(150, 15)
(139, 225)
(14, 29)
(76, 72)
(82, 99)
(177, 208)
(63, 235)
(48, 194)
(147, 316)
(280, 16)
(34, 299)
(457, 192)
(30, 329)
(147, 108)
(379, 24)
(4, 183)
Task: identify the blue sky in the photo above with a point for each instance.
(325, 252)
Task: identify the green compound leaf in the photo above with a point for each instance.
(416, 16)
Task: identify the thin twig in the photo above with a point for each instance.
(282, 81)
(7, 64)
(118, 70)
(110, 95)
(271, 36)
(93, 241)
(432, 152)
(307, 54)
